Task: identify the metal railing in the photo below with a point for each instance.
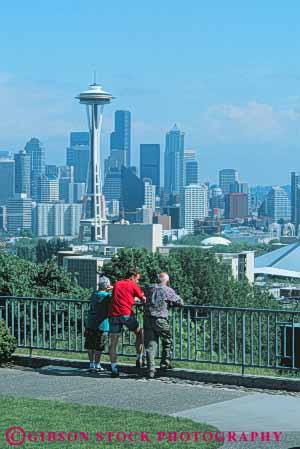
(244, 337)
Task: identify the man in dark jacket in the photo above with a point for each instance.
(156, 324)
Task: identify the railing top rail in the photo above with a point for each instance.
(30, 298)
(186, 306)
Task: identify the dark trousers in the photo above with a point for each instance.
(155, 328)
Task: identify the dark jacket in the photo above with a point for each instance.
(98, 312)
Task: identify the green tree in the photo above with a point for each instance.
(46, 250)
(22, 278)
(197, 275)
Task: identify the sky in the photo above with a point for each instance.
(226, 72)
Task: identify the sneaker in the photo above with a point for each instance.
(99, 369)
(151, 374)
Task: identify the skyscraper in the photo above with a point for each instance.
(149, 194)
(174, 154)
(278, 204)
(239, 187)
(66, 183)
(7, 179)
(227, 176)
(295, 198)
(132, 191)
(48, 189)
(120, 138)
(150, 163)
(19, 213)
(112, 185)
(190, 168)
(194, 205)
(236, 205)
(37, 160)
(22, 173)
(78, 154)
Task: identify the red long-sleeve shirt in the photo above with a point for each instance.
(123, 296)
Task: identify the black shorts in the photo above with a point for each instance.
(95, 340)
(116, 323)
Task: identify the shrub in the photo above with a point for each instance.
(7, 342)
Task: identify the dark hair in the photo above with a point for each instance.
(133, 272)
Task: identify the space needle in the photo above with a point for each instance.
(93, 214)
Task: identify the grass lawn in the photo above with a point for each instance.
(50, 416)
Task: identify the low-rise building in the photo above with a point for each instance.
(148, 236)
(86, 269)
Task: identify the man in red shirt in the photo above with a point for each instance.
(124, 295)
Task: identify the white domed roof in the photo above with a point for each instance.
(212, 241)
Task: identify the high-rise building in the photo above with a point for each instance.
(79, 138)
(19, 213)
(216, 198)
(236, 205)
(79, 192)
(295, 198)
(3, 218)
(7, 179)
(190, 168)
(113, 208)
(194, 205)
(22, 173)
(227, 176)
(78, 154)
(116, 160)
(120, 138)
(174, 213)
(132, 191)
(145, 215)
(149, 194)
(174, 155)
(48, 189)
(58, 219)
(66, 183)
(112, 185)
(52, 170)
(278, 204)
(239, 187)
(150, 163)
(37, 160)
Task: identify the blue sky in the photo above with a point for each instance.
(228, 73)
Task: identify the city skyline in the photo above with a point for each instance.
(238, 79)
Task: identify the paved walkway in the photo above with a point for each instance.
(228, 409)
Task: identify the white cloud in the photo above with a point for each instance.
(252, 122)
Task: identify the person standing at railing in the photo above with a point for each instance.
(125, 294)
(156, 324)
(97, 325)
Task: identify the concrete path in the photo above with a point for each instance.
(228, 409)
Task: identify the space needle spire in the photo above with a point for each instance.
(93, 214)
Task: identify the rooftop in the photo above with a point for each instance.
(284, 261)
